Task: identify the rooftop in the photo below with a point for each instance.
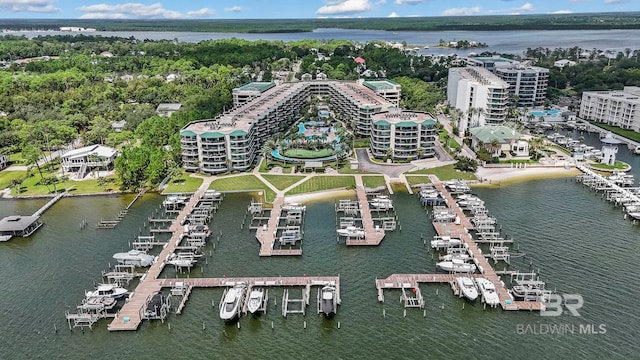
(499, 133)
(16, 223)
(380, 84)
(99, 150)
(402, 117)
(169, 107)
(261, 86)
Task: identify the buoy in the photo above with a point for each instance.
(338, 324)
(304, 324)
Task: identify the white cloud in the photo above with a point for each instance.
(614, 1)
(393, 14)
(579, 1)
(335, 7)
(461, 11)
(234, 9)
(138, 11)
(28, 5)
(201, 12)
(525, 8)
(409, 2)
(561, 12)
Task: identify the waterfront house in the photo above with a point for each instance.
(498, 140)
(166, 110)
(4, 161)
(88, 158)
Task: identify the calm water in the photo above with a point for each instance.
(514, 42)
(579, 243)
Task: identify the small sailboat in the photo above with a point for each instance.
(467, 288)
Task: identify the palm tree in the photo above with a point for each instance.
(389, 154)
(530, 117)
(494, 146)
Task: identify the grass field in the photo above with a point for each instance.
(282, 182)
(183, 184)
(629, 134)
(373, 181)
(619, 165)
(243, 183)
(308, 154)
(319, 183)
(442, 134)
(417, 179)
(446, 172)
(31, 186)
(7, 176)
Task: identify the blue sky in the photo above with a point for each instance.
(274, 9)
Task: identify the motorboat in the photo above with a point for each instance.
(637, 150)
(622, 179)
(99, 303)
(460, 256)
(107, 290)
(467, 287)
(134, 257)
(293, 207)
(457, 186)
(211, 194)
(175, 200)
(382, 202)
(457, 266)
(351, 231)
(290, 237)
(187, 260)
(155, 305)
(635, 215)
(257, 298)
(529, 290)
(329, 301)
(488, 292)
(197, 229)
(232, 301)
(443, 242)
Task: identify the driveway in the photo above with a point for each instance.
(393, 171)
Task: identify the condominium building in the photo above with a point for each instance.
(232, 140)
(480, 95)
(618, 108)
(388, 89)
(402, 134)
(250, 91)
(528, 83)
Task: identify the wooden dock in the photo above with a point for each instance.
(129, 317)
(372, 235)
(50, 203)
(461, 228)
(267, 237)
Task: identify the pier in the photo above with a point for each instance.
(460, 228)
(268, 235)
(130, 316)
(373, 234)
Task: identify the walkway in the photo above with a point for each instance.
(373, 235)
(129, 317)
(461, 230)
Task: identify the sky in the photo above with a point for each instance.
(280, 9)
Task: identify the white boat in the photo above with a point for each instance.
(134, 257)
(467, 287)
(351, 231)
(637, 150)
(211, 194)
(99, 303)
(256, 299)
(442, 242)
(634, 215)
(293, 207)
(187, 260)
(232, 301)
(457, 266)
(459, 256)
(173, 200)
(107, 290)
(488, 292)
(329, 300)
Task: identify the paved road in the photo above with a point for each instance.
(393, 171)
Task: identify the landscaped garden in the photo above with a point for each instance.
(243, 183)
(319, 183)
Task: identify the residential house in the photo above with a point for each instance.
(499, 139)
(166, 110)
(86, 159)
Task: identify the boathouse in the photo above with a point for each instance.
(17, 225)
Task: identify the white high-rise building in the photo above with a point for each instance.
(528, 83)
(479, 94)
(618, 108)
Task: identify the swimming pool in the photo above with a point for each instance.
(550, 112)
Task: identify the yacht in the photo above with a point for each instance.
(294, 207)
(457, 266)
(257, 298)
(232, 301)
(187, 260)
(443, 242)
(460, 256)
(329, 301)
(488, 292)
(382, 202)
(107, 290)
(174, 200)
(99, 303)
(467, 287)
(635, 215)
(134, 257)
(351, 231)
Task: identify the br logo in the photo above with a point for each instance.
(554, 307)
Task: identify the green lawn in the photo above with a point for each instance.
(560, 148)
(286, 168)
(308, 154)
(446, 172)
(417, 179)
(31, 185)
(319, 183)
(7, 176)
(183, 184)
(442, 134)
(619, 165)
(244, 182)
(282, 182)
(629, 134)
(373, 181)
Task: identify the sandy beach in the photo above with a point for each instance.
(504, 176)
